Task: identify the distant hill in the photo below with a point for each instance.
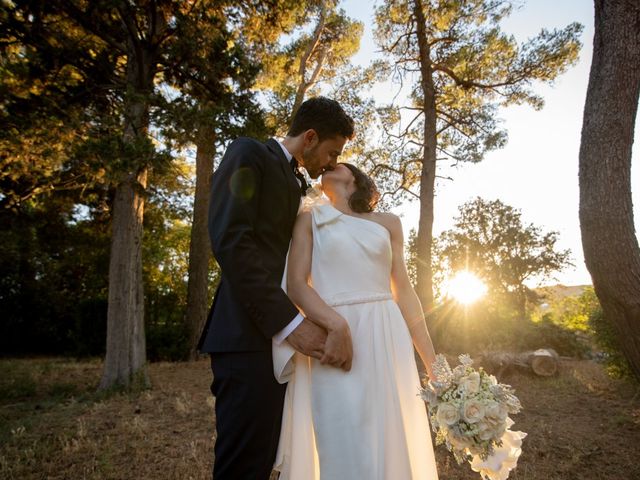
(558, 292)
(562, 291)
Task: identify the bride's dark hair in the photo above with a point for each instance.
(366, 196)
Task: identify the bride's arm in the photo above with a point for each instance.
(406, 298)
(338, 347)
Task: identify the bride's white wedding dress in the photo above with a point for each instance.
(368, 423)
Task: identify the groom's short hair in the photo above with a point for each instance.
(323, 115)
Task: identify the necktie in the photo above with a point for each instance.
(299, 176)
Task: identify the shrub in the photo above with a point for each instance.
(167, 342)
(606, 338)
(486, 327)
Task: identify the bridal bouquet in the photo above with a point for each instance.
(469, 412)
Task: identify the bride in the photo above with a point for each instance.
(346, 272)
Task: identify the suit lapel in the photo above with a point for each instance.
(292, 181)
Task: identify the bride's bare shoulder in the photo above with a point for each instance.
(389, 220)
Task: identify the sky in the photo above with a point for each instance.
(537, 171)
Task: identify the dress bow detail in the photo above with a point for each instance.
(324, 214)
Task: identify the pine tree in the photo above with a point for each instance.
(460, 68)
(609, 240)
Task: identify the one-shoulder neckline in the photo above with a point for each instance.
(360, 218)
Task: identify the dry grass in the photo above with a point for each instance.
(581, 424)
(166, 432)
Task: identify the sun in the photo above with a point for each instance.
(466, 288)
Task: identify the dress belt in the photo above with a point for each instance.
(351, 298)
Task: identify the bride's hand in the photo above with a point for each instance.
(428, 371)
(338, 348)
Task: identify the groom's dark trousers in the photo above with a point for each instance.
(253, 205)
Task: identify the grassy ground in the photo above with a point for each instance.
(581, 424)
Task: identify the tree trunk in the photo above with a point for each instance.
(199, 247)
(521, 301)
(301, 91)
(427, 178)
(543, 362)
(126, 348)
(610, 245)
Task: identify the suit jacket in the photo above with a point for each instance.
(253, 206)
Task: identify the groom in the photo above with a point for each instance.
(255, 196)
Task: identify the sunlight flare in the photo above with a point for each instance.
(466, 288)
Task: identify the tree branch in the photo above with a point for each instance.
(471, 83)
(318, 68)
(442, 39)
(395, 44)
(92, 24)
(315, 40)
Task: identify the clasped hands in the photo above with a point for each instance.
(333, 346)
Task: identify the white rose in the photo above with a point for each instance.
(495, 413)
(471, 383)
(485, 432)
(500, 429)
(447, 414)
(457, 441)
(472, 411)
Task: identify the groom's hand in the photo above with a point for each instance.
(308, 339)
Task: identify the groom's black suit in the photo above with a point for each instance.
(253, 206)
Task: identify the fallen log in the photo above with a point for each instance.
(543, 362)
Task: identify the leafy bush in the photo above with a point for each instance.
(166, 335)
(606, 338)
(487, 327)
(167, 342)
(545, 334)
(569, 312)
(584, 314)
